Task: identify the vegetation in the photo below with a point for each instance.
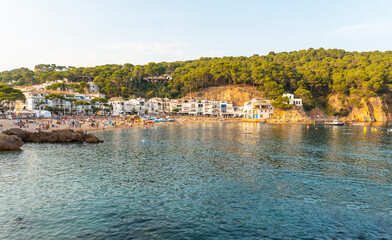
(99, 100)
(311, 74)
(52, 96)
(79, 88)
(282, 103)
(8, 96)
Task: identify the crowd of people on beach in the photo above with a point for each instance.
(95, 123)
(88, 123)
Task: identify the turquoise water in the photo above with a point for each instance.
(202, 181)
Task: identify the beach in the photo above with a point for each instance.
(90, 124)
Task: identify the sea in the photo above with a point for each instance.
(203, 181)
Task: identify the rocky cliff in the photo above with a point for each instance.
(289, 116)
(235, 93)
(373, 109)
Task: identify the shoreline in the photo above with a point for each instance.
(103, 125)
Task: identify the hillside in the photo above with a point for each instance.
(235, 93)
(362, 80)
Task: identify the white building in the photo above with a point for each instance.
(93, 87)
(136, 106)
(257, 108)
(189, 106)
(119, 105)
(226, 109)
(91, 96)
(35, 100)
(209, 109)
(175, 105)
(154, 106)
(293, 101)
(205, 107)
(254, 109)
(82, 108)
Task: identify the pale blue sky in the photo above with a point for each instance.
(95, 32)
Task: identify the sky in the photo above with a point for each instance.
(86, 33)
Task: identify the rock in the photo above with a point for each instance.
(42, 137)
(289, 116)
(90, 138)
(20, 133)
(62, 130)
(56, 136)
(235, 93)
(70, 136)
(373, 109)
(10, 142)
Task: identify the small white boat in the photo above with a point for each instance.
(334, 123)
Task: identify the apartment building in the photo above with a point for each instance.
(257, 108)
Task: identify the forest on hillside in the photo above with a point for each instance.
(312, 74)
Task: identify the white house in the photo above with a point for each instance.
(157, 106)
(136, 106)
(257, 108)
(35, 100)
(174, 105)
(189, 106)
(93, 87)
(293, 101)
(119, 105)
(226, 109)
(91, 96)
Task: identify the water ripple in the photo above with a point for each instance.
(202, 181)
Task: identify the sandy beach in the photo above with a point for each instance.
(90, 124)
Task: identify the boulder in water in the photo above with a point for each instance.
(90, 138)
(10, 142)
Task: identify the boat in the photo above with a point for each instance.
(334, 123)
(357, 124)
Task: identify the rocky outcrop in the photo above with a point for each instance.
(289, 116)
(22, 134)
(238, 94)
(10, 142)
(56, 136)
(373, 109)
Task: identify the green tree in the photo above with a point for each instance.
(273, 90)
(8, 96)
(281, 103)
